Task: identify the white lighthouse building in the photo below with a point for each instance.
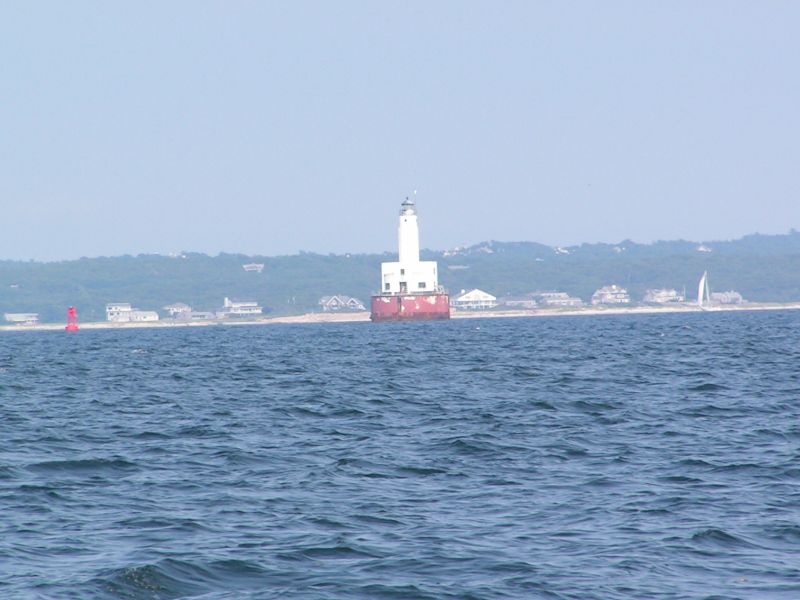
(409, 275)
(409, 287)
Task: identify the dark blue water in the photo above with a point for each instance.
(588, 457)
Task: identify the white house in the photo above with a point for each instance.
(240, 308)
(178, 309)
(663, 296)
(140, 316)
(123, 312)
(22, 318)
(341, 302)
(729, 297)
(474, 300)
(611, 294)
(257, 267)
(118, 312)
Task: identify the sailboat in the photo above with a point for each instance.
(703, 293)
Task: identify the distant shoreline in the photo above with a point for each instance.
(361, 317)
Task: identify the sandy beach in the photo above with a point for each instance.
(363, 316)
(624, 310)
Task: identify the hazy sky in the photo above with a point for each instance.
(273, 127)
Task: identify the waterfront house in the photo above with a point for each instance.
(22, 318)
(123, 312)
(557, 300)
(118, 312)
(178, 309)
(729, 297)
(240, 308)
(611, 294)
(474, 300)
(524, 301)
(662, 296)
(198, 315)
(340, 302)
(140, 316)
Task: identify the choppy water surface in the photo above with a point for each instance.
(607, 457)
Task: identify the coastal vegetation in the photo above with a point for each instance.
(763, 268)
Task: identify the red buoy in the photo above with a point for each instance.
(72, 319)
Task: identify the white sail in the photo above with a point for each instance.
(702, 289)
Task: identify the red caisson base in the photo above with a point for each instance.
(416, 307)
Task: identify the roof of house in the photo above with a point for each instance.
(611, 289)
(340, 298)
(475, 294)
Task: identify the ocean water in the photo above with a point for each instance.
(587, 457)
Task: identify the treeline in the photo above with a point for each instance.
(761, 268)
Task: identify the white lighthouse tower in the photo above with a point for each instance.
(408, 275)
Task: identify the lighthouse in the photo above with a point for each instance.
(409, 287)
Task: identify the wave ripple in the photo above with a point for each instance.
(615, 457)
